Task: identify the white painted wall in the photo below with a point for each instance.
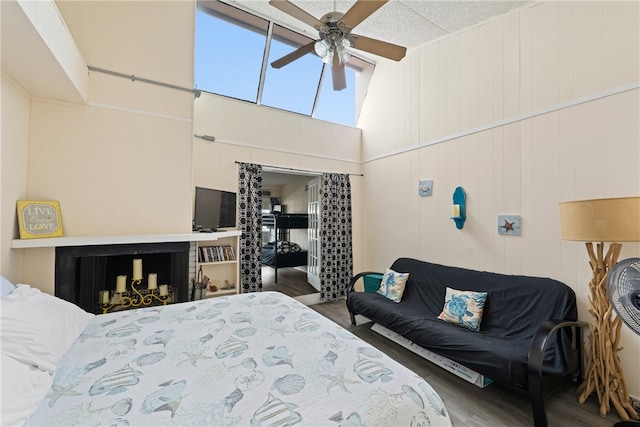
(294, 194)
(533, 108)
(13, 172)
(295, 198)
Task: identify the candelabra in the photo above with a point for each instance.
(135, 297)
(124, 299)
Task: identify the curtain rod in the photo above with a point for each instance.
(133, 78)
(298, 170)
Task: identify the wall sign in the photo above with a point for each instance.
(425, 187)
(509, 225)
(39, 218)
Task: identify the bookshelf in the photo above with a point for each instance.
(218, 260)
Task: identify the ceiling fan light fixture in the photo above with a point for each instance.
(343, 50)
(322, 48)
(325, 49)
(328, 58)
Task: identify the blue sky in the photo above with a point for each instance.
(229, 60)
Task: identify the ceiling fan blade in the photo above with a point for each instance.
(293, 10)
(301, 51)
(378, 47)
(360, 11)
(338, 74)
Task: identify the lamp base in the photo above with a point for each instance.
(603, 370)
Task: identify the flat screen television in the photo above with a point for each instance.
(214, 209)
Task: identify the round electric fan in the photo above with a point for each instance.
(623, 290)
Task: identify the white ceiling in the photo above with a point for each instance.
(407, 23)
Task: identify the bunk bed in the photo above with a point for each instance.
(279, 251)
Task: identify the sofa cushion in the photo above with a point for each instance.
(392, 285)
(498, 359)
(463, 308)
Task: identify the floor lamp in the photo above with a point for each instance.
(603, 221)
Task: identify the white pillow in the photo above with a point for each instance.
(7, 287)
(38, 328)
(23, 388)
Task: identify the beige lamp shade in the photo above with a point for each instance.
(601, 220)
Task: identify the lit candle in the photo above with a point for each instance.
(456, 211)
(164, 290)
(137, 269)
(104, 297)
(121, 284)
(153, 281)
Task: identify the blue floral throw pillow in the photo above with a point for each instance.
(392, 285)
(463, 308)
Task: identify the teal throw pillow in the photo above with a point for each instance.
(372, 282)
(463, 308)
(392, 284)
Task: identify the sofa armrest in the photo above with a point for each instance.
(350, 289)
(543, 335)
(536, 359)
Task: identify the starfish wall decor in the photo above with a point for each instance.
(509, 225)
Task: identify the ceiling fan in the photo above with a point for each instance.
(336, 39)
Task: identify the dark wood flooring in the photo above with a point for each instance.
(291, 281)
(468, 405)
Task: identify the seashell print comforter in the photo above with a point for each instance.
(254, 359)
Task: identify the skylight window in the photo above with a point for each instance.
(229, 60)
(228, 56)
(284, 88)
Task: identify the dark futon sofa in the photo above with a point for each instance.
(529, 326)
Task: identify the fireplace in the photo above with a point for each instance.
(83, 271)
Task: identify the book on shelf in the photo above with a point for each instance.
(216, 253)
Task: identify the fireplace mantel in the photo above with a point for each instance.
(56, 242)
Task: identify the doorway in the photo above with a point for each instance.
(313, 233)
(286, 198)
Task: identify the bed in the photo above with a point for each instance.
(281, 252)
(248, 359)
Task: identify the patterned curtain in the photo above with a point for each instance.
(336, 262)
(250, 206)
